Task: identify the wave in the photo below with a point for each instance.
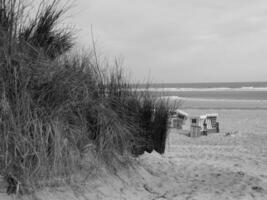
(245, 89)
(225, 108)
(214, 100)
(228, 104)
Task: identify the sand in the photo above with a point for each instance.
(212, 167)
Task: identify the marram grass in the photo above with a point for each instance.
(54, 104)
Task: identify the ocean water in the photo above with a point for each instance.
(242, 107)
(238, 95)
(229, 85)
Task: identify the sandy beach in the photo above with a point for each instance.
(212, 167)
(120, 100)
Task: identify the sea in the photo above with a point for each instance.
(234, 95)
(241, 106)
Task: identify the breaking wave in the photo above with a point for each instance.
(245, 89)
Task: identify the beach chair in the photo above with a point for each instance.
(177, 119)
(214, 125)
(196, 126)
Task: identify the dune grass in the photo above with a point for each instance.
(54, 104)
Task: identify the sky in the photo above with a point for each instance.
(168, 41)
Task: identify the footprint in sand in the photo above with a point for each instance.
(240, 173)
(257, 189)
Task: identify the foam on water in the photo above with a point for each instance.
(245, 89)
(214, 95)
(214, 100)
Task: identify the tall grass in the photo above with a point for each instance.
(54, 105)
(160, 125)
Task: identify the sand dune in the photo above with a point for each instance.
(213, 167)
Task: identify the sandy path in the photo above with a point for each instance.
(213, 167)
(219, 167)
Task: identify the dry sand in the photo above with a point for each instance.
(212, 167)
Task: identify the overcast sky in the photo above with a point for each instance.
(179, 40)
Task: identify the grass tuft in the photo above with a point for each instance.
(53, 105)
